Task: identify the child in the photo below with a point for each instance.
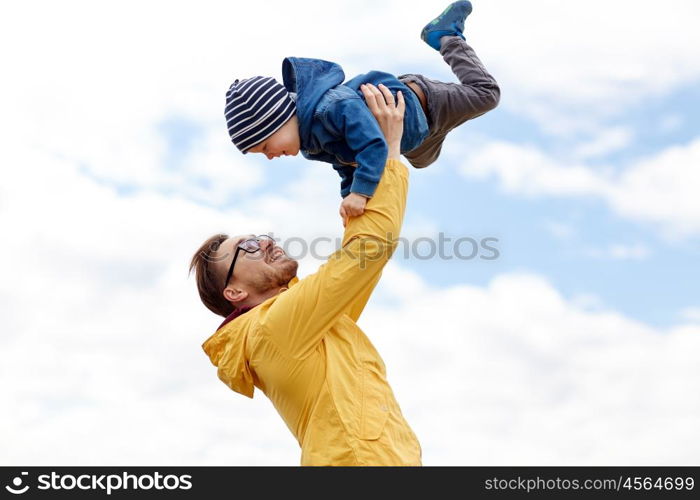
(328, 120)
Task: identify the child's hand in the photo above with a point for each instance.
(353, 205)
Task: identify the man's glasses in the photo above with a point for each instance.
(251, 245)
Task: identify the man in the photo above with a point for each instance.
(298, 341)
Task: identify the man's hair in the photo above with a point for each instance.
(209, 285)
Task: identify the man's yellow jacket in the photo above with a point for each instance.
(303, 349)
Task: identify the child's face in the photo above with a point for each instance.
(284, 142)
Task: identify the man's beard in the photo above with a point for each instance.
(281, 274)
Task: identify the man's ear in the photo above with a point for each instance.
(235, 295)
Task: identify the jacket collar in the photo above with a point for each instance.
(235, 314)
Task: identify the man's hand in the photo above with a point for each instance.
(353, 205)
(389, 113)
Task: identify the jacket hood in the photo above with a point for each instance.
(227, 350)
(309, 79)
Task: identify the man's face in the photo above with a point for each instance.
(284, 142)
(256, 272)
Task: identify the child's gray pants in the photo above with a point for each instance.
(451, 104)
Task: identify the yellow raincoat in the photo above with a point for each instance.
(303, 349)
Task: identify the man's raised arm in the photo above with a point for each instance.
(302, 315)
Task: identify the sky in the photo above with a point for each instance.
(576, 346)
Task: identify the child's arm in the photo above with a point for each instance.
(346, 173)
(352, 120)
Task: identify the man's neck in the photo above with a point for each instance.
(259, 299)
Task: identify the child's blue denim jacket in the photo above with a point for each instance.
(337, 127)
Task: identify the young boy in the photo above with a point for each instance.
(328, 120)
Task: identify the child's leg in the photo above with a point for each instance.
(451, 104)
(478, 91)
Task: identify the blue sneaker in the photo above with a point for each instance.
(449, 23)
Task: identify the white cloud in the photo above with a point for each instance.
(587, 302)
(527, 170)
(578, 66)
(514, 373)
(670, 123)
(690, 314)
(623, 252)
(560, 230)
(619, 251)
(93, 84)
(100, 351)
(97, 96)
(661, 189)
(605, 142)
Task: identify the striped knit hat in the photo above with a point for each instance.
(255, 109)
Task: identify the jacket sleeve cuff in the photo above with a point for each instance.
(363, 186)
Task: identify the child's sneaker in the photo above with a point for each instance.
(449, 23)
